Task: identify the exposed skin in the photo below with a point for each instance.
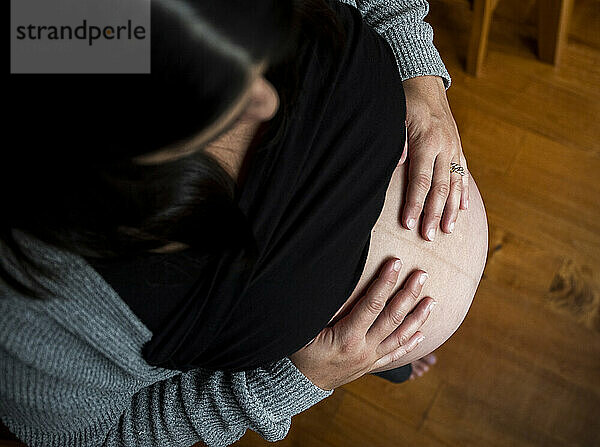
(433, 143)
(455, 262)
(348, 348)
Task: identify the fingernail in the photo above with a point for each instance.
(467, 204)
(411, 223)
(451, 227)
(431, 305)
(431, 234)
(423, 278)
(397, 265)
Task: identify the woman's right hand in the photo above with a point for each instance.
(372, 335)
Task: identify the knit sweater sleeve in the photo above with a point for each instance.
(216, 407)
(401, 23)
(57, 391)
(72, 373)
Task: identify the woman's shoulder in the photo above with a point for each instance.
(76, 309)
(76, 348)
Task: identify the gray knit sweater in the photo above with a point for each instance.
(401, 23)
(73, 374)
(71, 368)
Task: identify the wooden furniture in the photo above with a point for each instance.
(553, 20)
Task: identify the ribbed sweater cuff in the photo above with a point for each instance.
(293, 394)
(416, 55)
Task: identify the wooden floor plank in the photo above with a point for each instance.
(405, 402)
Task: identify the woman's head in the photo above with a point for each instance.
(82, 175)
(208, 66)
(208, 59)
(258, 103)
(205, 57)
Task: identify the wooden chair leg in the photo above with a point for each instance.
(553, 27)
(482, 17)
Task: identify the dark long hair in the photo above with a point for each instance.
(70, 180)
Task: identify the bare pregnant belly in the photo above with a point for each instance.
(454, 262)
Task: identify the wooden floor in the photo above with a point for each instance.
(524, 368)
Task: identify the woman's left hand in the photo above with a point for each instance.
(433, 143)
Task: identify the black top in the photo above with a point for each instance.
(312, 200)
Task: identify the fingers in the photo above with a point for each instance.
(453, 202)
(420, 171)
(464, 199)
(402, 337)
(414, 318)
(400, 352)
(368, 308)
(436, 200)
(398, 308)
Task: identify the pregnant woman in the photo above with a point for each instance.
(214, 247)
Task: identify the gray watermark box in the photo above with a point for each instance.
(80, 36)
